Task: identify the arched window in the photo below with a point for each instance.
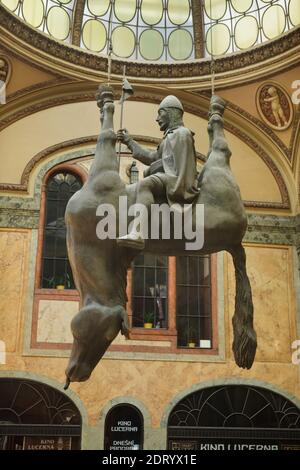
(56, 271)
(174, 297)
(193, 301)
(231, 416)
(150, 291)
(35, 416)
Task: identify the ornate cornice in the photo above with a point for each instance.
(80, 63)
(37, 87)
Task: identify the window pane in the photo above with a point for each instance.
(125, 10)
(246, 32)
(152, 11)
(11, 4)
(33, 12)
(179, 11)
(98, 8)
(218, 39)
(150, 291)
(273, 21)
(94, 35)
(241, 6)
(294, 11)
(151, 44)
(193, 300)
(123, 41)
(215, 9)
(58, 23)
(180, 44)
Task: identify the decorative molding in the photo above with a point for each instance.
(142, 96)
(37, 87)
(77, 22)
(295, 135)
(266, 53)
(5, 68)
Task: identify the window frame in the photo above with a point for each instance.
(64, 294)
(170, 333)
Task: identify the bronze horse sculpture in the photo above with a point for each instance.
(100, 266)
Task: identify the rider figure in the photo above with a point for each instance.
(176, 177)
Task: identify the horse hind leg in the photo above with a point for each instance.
(244, 339)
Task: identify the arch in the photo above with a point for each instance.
(133, 422)
(249, 412)
(148, 431)
(15, 374)
(222, 382)
(55, 229)
(36, 406)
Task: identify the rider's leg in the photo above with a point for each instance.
(147, 190)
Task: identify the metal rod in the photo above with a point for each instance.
(121, 118)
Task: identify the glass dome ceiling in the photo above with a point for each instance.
(160, 30)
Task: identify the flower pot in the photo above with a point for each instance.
(148, 325)
(60, 287)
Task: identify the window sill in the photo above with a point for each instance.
(54, 293)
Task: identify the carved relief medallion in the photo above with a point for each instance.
(274, 106)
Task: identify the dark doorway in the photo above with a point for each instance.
(124, 428)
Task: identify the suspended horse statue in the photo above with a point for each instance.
(100, 266)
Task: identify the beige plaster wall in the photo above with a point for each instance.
(155, 383)
(24, 75)
(248, 92)
(13, 278)
(52, 126)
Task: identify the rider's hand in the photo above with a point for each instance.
(123, 136)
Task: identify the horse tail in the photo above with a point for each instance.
(244, 342)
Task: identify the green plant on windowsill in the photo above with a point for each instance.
(192, 338)
(148, 319)
(60, 282)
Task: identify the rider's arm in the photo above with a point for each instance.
(143, 155)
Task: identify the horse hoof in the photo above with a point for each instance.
(244, 348)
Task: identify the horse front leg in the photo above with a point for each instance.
(244, 340)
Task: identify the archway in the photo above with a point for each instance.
(36, 416)
(234, 417)
(124, 428)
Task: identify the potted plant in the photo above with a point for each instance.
(60, 282)
(148, 319)
(192, 338)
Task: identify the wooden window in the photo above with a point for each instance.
(193, 301)
(180, 296)
(150, 291)
(56, 271)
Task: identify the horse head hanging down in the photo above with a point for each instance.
(100, 265)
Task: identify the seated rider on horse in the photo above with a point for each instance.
(174, 175)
